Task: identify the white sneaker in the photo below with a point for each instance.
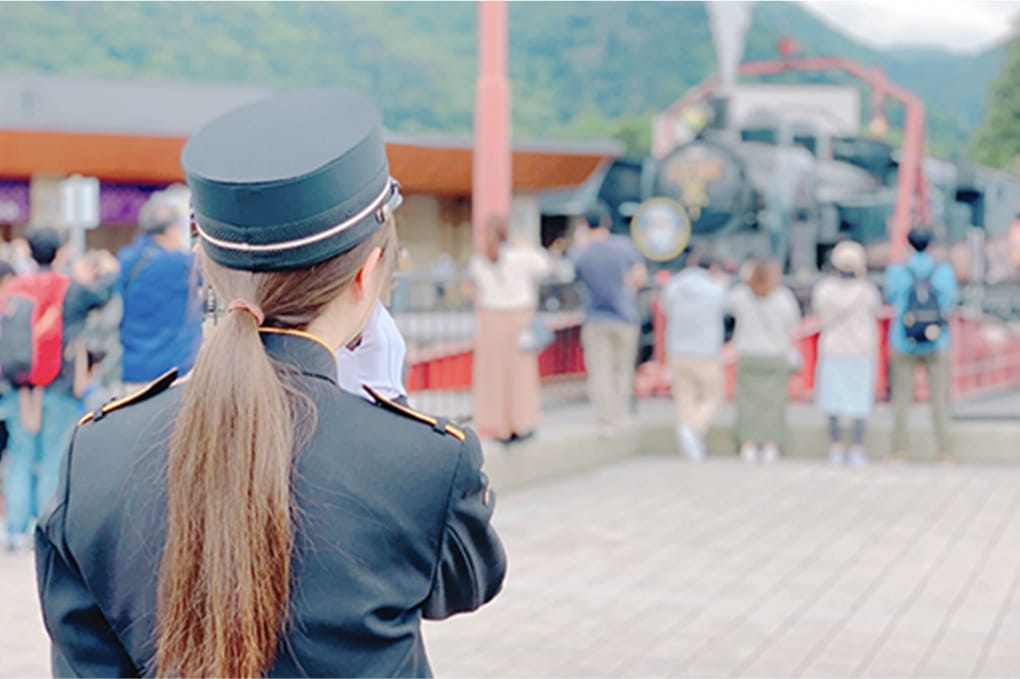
(837, 456)
(770, 454)
(691, 444)
(749, 453)
(858, 458)
(681, 441)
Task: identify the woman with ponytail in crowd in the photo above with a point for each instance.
(251, 518)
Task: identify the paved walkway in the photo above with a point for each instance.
(657, 568)
(653, 567)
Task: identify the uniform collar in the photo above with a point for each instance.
(306, 352)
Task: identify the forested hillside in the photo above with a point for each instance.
(579, 70)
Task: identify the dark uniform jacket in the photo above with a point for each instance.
(394, 526)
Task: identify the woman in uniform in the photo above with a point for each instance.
(252, 518)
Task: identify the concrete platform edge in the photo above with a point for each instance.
(568, 447)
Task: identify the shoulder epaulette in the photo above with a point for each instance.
(161, 384)
(437, 425)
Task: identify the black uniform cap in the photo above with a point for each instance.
(289, 181)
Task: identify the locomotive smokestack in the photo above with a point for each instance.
(729, 21)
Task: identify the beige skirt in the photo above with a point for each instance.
(506, 384)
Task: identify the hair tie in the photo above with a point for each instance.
(241, 305)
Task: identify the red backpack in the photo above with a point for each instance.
(32, 330)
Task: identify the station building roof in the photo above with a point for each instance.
(125, 131)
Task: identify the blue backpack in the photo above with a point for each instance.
(924, 321)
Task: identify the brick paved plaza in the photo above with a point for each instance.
(653, 567)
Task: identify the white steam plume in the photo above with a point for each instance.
(730, 20)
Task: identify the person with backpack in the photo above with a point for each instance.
(7, 275)
(162, 323)
(922, 293)
(43, 313)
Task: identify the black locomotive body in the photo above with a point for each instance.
(793, 195)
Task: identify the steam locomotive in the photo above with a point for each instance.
(789, 190)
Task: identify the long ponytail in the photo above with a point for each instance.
(224, 579)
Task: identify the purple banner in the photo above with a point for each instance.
(14, 202)
(120, 203)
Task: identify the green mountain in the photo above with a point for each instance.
(578, 70)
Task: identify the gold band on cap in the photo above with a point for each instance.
(379, 204)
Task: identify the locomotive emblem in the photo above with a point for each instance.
(693, 175)
(661, 229)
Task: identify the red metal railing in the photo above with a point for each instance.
(448, 367)
(985, 358)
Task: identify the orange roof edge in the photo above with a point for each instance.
(421, 168)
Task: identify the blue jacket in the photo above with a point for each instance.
(898, 281)
(162, 324)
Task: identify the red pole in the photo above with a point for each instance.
(909, 189)
(490, 195)
(877, 124)
(923, 213)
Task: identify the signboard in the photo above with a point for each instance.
(10, 212)
(79, 202)
(661, 229)
(835, 109)
(79, 207)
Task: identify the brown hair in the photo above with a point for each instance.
(225, 575)
(497, 236)
(764, 277)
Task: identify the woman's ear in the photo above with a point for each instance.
(364, 281)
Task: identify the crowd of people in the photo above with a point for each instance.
(701, 302)
(696, 302)
(127, 320)
(251, 517)
(79, 331)
(506, 278)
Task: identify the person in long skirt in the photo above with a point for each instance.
(846, 304)
(506, 381)
(766, 314)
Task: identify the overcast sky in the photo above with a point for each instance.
(962, 25)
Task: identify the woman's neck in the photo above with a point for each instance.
(338, 325)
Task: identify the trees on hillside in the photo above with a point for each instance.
(997, 142)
